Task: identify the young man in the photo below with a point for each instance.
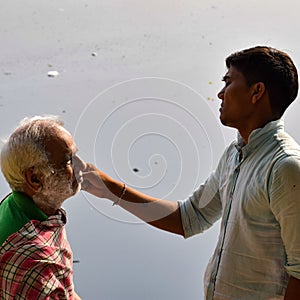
(40, 164)
(255, 189)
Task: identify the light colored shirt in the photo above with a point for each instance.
(256, 191)
(36, 261)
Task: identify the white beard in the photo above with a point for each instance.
(56, 189)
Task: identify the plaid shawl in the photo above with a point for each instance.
(36, 262)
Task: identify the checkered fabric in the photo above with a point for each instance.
(36, 262)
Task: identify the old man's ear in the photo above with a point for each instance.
(34, 179)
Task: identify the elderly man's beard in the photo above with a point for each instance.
(56, 189)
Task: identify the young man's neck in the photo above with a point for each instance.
(246, 131)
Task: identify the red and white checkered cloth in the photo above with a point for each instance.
(36, 262)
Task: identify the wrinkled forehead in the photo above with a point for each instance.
(60, 145)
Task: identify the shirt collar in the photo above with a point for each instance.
(258, 136)
(58, 219)
(27, 205)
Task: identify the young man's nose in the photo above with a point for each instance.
(221, 94)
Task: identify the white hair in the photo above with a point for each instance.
(25, 148)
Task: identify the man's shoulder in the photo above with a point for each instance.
(38, 234)
(288, 144)
(286, 154)
(288, 165)
(11, 219)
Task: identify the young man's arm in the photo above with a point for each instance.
(285, 205)
(163, 214)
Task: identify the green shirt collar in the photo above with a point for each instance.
(29, 208)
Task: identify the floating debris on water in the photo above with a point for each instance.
(53, 74)
(94, 54)
(135, 170)
(210, 82)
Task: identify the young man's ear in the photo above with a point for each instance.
(258, 91)
(33, 179)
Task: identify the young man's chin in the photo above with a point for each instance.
(223, 120)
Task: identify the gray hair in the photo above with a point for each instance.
(25, 148)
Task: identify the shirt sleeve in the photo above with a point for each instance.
(285, 204)
(204, 207)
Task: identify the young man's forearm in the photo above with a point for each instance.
(163, 214)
